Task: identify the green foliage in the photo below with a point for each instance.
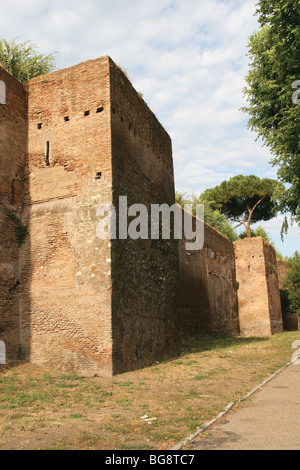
(258, 232)
(182, 198)
(292, 283)
(280, 256)
(219, 222)
(285, 301)
(21, 231)
(24, 61)
(244, 199)
(274, 52)
(212, 216)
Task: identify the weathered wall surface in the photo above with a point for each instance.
(144, 272)
(259, 298)
(71, 301)
(90, 305)
(13, 136)
(290, 321)
(66, 314)
(208, 295)
(272, 280)
(282, 270)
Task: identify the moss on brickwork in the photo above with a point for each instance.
(21, 230)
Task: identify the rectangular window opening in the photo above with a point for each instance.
(67, 119)
(99, 110)
(47, 156)
(86, 113)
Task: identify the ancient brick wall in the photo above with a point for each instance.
(290, 321)
(282, 271)
(259, 298)
(13, 136)
(71, 301)
(208, 294)
(66, 314)
(144, 272)
(272, 280)
(91, 305)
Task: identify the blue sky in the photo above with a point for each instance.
(187, 57)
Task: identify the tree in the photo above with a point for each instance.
(182, 199)
(24, 61)
(258, 232)
(292, 283)
(219, 222)
(211, 216)
(244, 199)
(271, 92)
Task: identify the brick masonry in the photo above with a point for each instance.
(85, 304)
(144, 272)
(66, 308)
(259, 297)
(13, 137)
(208, 290)
(71, 141)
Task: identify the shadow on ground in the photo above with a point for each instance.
(207, 343)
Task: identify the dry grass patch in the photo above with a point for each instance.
(40, 410)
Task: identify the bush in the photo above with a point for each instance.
(211, 216)
(24, 61)
(258, 232)
(285, 301)
(292, 283)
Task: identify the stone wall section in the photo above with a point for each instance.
(208, 293)
(74, 140)
(66, 268)
(145, 316)
(259, 297)
(13, 138)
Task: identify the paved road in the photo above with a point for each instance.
(270, 420)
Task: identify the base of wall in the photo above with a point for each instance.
(291, 323)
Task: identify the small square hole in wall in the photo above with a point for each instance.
(39, 126)
(99, 110)
(67, 119)
(98, 175)
(86, 113)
